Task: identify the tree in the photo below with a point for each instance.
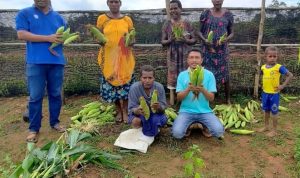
(277, 4)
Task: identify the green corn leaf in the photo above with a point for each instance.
(199, 162)
(27, 162)
(18, 171)
(188, 155)
(189, 169)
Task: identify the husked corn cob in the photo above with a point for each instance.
(242, 132)
(145, 107)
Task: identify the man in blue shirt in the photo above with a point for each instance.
(37, 25)
(196, 110)
(145, 88)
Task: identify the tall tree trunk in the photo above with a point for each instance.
(168, 9)
(258, 52)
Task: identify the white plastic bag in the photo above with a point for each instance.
(134, 139)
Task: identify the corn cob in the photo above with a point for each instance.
(242, 132)
(210, 36)
(59, 31)
(200, 75)
(129, 38)
(281, 108)
(71, 39)
(222, 38)
(97, 34)
(154, 99)
(145, 108)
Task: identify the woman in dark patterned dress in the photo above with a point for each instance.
(216, 53)
(178, 44)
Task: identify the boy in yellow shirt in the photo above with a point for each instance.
(271, 73)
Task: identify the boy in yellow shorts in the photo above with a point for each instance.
(271, 73)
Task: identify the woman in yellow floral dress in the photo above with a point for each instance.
(116, 61)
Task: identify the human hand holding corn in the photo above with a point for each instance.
(138, 111)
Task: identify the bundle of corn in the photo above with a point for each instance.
(63, 157)
(130, 37)
(196, 78)
(96, 34)
(178, 31)
(234, 115)
(171, 115)
(66, 38)
(93, 116)
(154, 99)
(145, 107)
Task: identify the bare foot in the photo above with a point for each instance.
(119, 117)
(125, 116)
(272, 133)
(264, 129)
(206, 132)
(188, 132)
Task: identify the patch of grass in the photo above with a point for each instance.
(110, 139)
(258, 173)
(259, 141)
(7, 166)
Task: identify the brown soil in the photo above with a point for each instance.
(236, 156)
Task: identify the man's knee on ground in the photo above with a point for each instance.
(136, 122)
(218, 131)
(178, 133)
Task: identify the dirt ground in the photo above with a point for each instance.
(237, 156)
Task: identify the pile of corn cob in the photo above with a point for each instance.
(93, 116)
(235, 116)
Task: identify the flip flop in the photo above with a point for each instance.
(32, 137)
(59, 128)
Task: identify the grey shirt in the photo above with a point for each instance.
(137, 90)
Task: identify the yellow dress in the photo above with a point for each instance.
(115, 60)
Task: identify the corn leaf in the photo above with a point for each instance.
(16, 174)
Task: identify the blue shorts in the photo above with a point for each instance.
(270, 102)
(150, 126)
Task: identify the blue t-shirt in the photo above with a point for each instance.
(200, 104)
(33, 20)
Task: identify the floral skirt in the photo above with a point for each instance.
(110, 93)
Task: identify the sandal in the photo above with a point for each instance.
(59, 128)
(32, 137)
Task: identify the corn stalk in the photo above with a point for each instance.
(258, 52)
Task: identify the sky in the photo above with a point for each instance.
(134, 4)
